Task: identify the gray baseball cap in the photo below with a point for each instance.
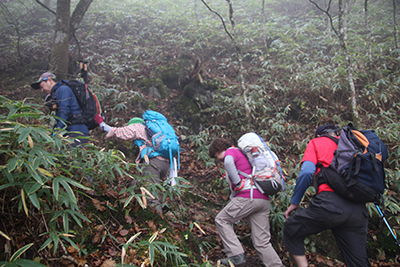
(43, 77)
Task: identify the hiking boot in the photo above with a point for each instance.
(238, 260)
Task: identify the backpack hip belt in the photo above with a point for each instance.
(252, 181)
(76, 119)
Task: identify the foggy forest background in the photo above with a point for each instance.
(215, 69)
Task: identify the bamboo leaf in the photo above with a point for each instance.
(4, 235)
(34, 199)
(12, 164)
(37, 178)
(77, 214)
(153, 237)
(66, 222)
(6, 129)
(69, 191)
(24, 202)
(23, 133)
(151, 253)
(75, 183)
(28, 263)
(45, 244)
(30, 141)
(19, 252)
(198, 226)
(45, 172)
(56, 187)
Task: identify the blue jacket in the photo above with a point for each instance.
(67, 106)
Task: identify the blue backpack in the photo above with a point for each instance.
(356, 171)
(162, 136)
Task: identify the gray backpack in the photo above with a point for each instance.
(266, 173)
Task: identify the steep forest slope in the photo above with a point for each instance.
(278, 68)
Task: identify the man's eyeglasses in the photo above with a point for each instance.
(44, 79)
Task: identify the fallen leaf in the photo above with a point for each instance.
(123, 232)
(72, 250)
(98, 205)
(137, 229)
(152, 225)
(329, 263)
(99, 227)
(112, 193)
(112, 252)
(108, 263)
(136, 208)
(81, 261)
(128, 219)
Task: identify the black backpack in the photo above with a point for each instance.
(356, 171)
(87, 101)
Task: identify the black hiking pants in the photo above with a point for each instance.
(327, 210)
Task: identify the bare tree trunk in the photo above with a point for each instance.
(343, 10)
(342, 35)
(368, 30)
(263, 27)
(345, 13)
(195, 9)
(394, 24)
(59, 53)
(64, 32)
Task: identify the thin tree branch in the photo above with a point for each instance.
(327, 13)
(231, 14)
(13, 22)
(43, 5)
(222, 20)
(238, 53)
(394, 24)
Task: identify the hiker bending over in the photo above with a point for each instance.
(327, 210)
(158, 167)
(241, 206)
(66, 106)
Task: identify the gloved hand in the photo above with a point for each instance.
(239, 186)
(98, 119)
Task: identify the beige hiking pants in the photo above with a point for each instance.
(257, 213)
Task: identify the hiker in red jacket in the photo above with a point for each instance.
(327, 210)
(241, 206)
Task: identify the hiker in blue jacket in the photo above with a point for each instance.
(327, 210)
(67, 108)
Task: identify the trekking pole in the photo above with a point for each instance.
(83, 68)
(387, 224)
